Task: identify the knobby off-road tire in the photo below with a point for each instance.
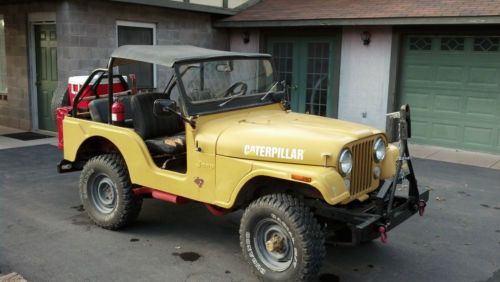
(60, 98)
(300, 252)
(106, 192)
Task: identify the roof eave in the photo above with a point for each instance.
(183, 6)
(365, 22)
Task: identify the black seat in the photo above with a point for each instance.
(162, 134)
(99, 110)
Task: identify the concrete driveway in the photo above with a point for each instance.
(45, 235)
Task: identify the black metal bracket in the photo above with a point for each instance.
(89, 79)
(104, 75)
(404, 156)
(67, 166)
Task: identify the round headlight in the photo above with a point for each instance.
(379, 149)
(345, 162)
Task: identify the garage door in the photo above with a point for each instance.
(453, 86)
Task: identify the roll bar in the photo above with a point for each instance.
(100, 73)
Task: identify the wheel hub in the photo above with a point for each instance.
(275, 244)
(103, 193)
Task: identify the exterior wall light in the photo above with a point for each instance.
(366, 37)
(246, 37)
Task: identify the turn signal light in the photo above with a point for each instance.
(301, 178)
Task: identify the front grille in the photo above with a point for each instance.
(361, 176)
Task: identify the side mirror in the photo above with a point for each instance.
(164, 107)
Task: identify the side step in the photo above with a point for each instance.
(160, 195)
(175, 199)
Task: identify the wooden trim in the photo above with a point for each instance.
(480, 20)
(184, 5)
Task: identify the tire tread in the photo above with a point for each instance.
(131, 203)
(305, 224)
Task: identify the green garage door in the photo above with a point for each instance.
(453, 86)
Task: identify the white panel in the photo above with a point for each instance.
(364, 76)
(42, 17)
(235, 3)
(215, 3)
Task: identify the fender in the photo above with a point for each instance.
(123, 138)
(326, 180)
(142, 169)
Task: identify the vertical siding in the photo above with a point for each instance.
(364, 76)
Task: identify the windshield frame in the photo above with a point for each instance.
(211, 107)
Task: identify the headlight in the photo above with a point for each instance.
(345, 162)
(379, 150)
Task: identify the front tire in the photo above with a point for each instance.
(281, 239)
(106, 192)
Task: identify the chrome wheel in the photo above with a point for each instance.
(273, 245)
(103, 193)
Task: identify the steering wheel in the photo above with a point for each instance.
(230, 90)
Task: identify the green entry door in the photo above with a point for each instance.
(306, 64)
(453, 86)
(46, 73)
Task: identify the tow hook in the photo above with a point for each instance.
(383, 233)
(421, 207)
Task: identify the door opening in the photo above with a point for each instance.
(45, 43)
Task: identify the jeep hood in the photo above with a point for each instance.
(280, 136)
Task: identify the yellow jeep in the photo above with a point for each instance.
(221, 134)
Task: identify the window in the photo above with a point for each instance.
(134, 33)
(420, 43)
(3, 62)
(452, 44)
(486, 44)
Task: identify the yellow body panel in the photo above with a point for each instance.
(228, 149)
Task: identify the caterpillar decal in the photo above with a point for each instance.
(273, 152)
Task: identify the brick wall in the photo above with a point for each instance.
(86, 32)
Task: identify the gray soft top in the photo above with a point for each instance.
(168, 55)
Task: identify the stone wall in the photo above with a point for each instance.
(86, 32)
(15, 111)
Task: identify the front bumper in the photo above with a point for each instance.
(361, 222)
(358, 222)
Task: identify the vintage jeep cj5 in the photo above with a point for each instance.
(220, 134)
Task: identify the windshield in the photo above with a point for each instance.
(223, 80)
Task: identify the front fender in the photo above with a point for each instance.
(326, 180)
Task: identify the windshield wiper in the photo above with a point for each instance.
(269, 91)
(230, 99)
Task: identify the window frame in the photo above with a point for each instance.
(3, 68)
(140, 25)
(206, 108)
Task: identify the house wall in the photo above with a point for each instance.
(365, 76)
(86, 33)
(15, 111)
(236, 41)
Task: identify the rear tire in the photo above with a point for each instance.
(281, 239)
(106, 192)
